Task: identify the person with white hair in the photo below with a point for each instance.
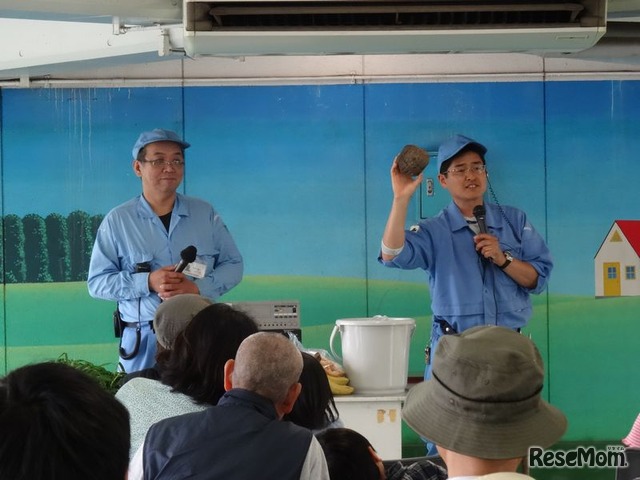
(242, 437)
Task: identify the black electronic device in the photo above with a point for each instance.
(480, 213)
(187, 256)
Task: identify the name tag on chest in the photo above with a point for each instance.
(196, 270)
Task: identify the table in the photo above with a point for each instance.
(378, 418)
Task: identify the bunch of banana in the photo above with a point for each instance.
(339, 385)
(338, 380)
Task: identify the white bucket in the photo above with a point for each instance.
(375, 353)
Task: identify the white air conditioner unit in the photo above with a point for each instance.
(325, 27)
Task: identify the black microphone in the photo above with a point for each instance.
(479, 212)
(187, 256)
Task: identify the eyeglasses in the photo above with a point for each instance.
(462, 171)
(163, 163)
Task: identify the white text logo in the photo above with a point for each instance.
(579, 457)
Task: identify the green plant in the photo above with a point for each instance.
(110, 381)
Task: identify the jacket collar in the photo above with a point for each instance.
(245, 398)
(180, 207)
(458, 222)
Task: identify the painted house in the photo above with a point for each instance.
(617, 262)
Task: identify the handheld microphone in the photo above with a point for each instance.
(480, 213)
(187, 256)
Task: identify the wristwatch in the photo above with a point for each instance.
(509, 259)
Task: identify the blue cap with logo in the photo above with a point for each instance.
(451, 147)
(157, 135)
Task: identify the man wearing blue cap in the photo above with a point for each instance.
(475, 278)
(139, 244)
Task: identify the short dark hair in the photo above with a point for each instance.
(195, 366)
(347, 454)
(469, 148)
(315, 408)
(59, 423)
(141, 154)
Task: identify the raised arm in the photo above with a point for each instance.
(404, 187)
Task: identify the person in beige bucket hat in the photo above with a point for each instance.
(171, 318)
(173, 315)
(483, 407)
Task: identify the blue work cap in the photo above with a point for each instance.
(157, 135)
(451, 147)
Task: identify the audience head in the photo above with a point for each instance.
(350, 455)
(315, 408)
(173, 315)
(59, 423)
(195, 366)
(484, 397)
(270, 365)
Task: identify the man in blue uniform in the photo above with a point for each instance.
(139, 243)
(475, 278)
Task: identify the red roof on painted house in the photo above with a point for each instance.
(631, 230)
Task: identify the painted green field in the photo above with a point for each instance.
(44, 320)
(590, 345)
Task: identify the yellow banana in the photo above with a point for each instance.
(338, 389)
(338, 380)
(341, 389)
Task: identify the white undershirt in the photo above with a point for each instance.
(473, 225)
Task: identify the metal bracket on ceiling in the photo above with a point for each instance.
(118, 26)
(164, 48)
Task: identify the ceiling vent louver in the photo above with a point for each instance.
(236, 28)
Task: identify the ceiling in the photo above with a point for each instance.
(40, 37)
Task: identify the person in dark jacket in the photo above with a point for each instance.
(242, 437)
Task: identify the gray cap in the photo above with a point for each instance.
(173, 315)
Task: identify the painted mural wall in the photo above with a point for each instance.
(301, 176)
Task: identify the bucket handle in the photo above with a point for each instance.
(333, 334)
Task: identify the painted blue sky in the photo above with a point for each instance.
(301, 173)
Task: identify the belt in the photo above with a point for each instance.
(136, 324)
(447, 328)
